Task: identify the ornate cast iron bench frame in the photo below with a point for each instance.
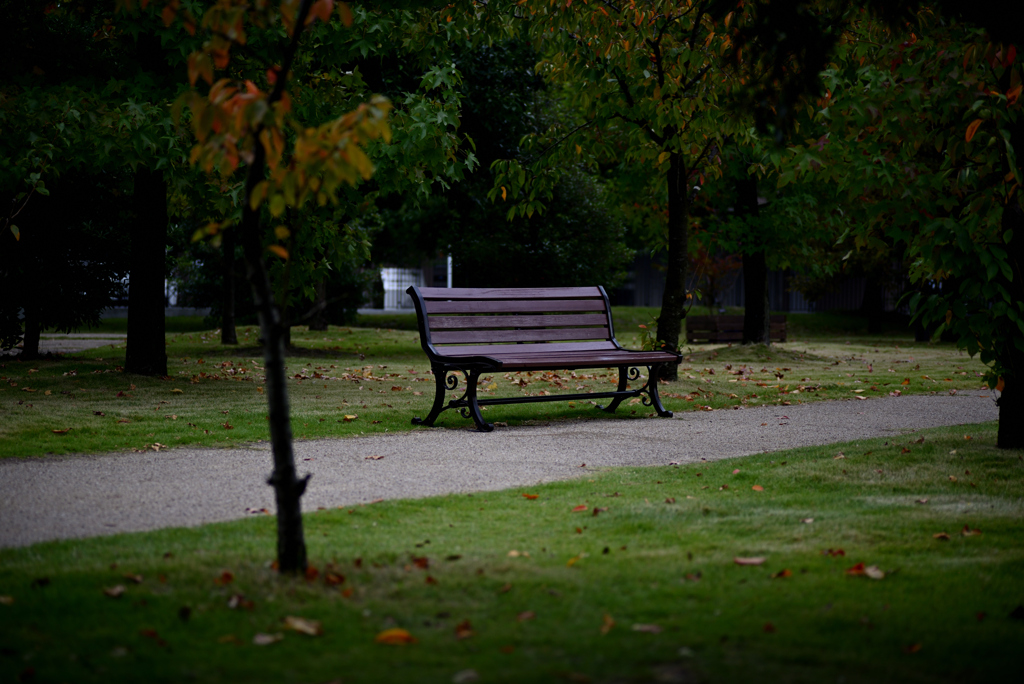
(479, 331)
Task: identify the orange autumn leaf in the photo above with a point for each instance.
(758, 488)
(463, 630)
(906, 381)
(782, 574)
(972, 129)
(531, 497)
(226, 577)
(395, 636)
(279, 251)
(857, 569)
(581, 507)
(999, 383)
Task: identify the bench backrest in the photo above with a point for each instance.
(571, 318)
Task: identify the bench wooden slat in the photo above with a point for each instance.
(534, 335)
(591, 361)
(516, 294)
(513, 307)
(471, 322)
(542, 348)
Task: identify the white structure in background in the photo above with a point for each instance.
(396, 282)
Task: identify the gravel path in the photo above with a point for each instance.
(82, 496)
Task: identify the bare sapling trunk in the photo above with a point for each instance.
(288, 488)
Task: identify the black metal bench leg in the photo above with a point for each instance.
(621, 388)
(440, 384)
(472, 378)
(654, 373)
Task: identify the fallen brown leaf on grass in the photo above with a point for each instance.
(239, 601)
(968, 532)
(350, 417)
(871, 571)
(782, 573)
(464, 630)
(6, 600)
(115, 591)
(261, 639)
(912, 648)
(942, 536)
(769, 628)
(607, 623)
(531, 497)
(758, 488)
(526, 615)
(226, 577)
(62, 432)
(752, 560)
(303, 625)
(505, 589)
(134, 579)
(581, 507)
(333, 579)
(807, 521)
(647, 628)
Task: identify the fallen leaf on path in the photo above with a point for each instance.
(373, 458)
(261, 639)
(303, 625)
(751, 560)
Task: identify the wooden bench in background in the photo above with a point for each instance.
(479, 331)
(716, 329)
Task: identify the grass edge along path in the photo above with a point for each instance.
(874, 560)
(213, 397)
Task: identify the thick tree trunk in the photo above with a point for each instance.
(228, 334)
(319, 319)
(1011, 415)
(30, 342)
(1011, 401)
(873, 304)
(757, 311)
(147, 353)
(673, 304)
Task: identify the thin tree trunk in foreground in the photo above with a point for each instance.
(288, 489)
(147, 346)
(673, 303)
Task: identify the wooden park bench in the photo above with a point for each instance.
(480, 331)
(715, 329)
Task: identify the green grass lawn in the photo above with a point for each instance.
(622, 575)
(213, 395)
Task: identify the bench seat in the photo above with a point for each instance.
(476, 331)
